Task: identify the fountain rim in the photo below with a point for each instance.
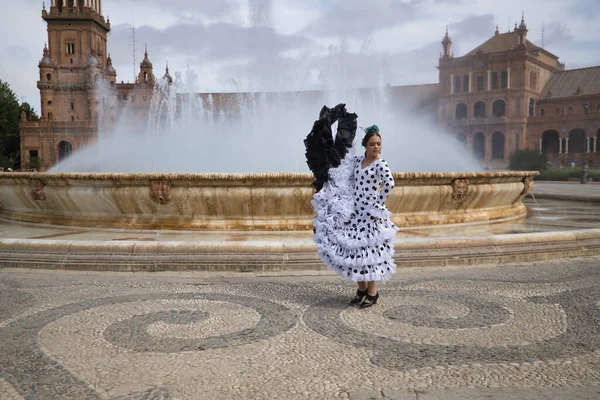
(124, 176)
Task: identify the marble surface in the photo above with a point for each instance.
(245, 202)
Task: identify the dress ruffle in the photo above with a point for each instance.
(356, 242)
(322, 152)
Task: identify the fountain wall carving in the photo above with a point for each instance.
(276, 202)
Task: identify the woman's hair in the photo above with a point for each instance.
(369, 133)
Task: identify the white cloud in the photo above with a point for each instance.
(281, 43)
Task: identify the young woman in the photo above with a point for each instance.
(353, 230)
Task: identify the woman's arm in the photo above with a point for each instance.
(379, 210)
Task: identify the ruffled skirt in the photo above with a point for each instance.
(352, 242)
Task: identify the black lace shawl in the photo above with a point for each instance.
(321, 151)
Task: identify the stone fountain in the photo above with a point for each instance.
(245, 202)
(230, 168)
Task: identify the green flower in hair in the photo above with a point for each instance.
(371, 129)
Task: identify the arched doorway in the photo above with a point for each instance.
(550, 142)
(461, 111)
(499, 108)
(498, 146)
(64, 150)
(479, 145)
(577, 142)
(462, 138)
(479, 109)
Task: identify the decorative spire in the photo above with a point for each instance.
(146, 61)
(522, 32)
(44, 5)
(167, 75)
(523, 26)
(446, 37)
(46, 57)
(497, 31)
(446, 43)
(108, 60)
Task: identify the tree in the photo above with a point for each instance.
(10, 115)
(30, 112)
(528, 160)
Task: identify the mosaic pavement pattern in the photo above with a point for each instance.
(76, 336)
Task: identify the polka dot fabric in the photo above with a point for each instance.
(357, 244)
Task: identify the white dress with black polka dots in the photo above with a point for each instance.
(353, 230)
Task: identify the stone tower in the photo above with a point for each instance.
(77, 83)
(75, 60)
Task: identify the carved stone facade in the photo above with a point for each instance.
(78, 85)
(509, 94)
(160, 191)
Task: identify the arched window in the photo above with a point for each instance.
(64, 150)
(479, 110)
(542, 112)
(531, 107)
(504, 79)
(570, 110)
(462, 138)
(48, 77)
(479, 145)
(531, 79)
(577, 141)
(498, 146)
(461, 111)
(72, 106)
(457, 84)
(499, 108)
(112, 83)
(550, 142)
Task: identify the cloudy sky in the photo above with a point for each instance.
(301, 44)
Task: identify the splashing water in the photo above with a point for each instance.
(263, 131)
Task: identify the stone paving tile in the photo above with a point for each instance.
(522, 331)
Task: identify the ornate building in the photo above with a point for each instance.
(504, 95)
(78, 85)
(509, 94)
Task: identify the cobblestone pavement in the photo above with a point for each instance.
(526, 331)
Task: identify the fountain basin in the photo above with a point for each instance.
(243, 202)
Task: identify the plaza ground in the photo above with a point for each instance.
(522, 330)
(526, 331)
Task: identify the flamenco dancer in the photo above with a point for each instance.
(353, 230)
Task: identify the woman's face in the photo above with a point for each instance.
(373, 146)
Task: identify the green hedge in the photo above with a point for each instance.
(527, 160)
(565, 173)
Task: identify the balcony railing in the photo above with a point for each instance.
(73, 13)
(478, 121)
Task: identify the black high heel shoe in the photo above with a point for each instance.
(360, 294)
(369, 300)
